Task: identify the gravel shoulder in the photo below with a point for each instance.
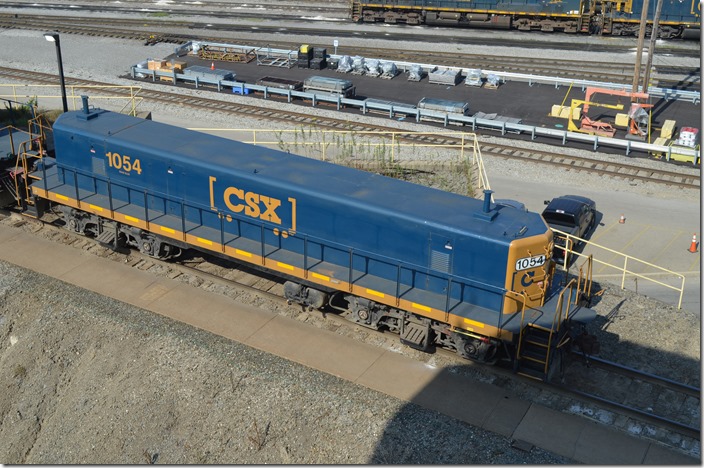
(89, 380)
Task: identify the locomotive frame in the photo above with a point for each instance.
(112, 183)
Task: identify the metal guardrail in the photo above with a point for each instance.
(670, 94)
(426, 115)
(624, 269)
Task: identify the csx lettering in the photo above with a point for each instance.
(253, 204)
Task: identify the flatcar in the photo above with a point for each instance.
(439, 269)
(678, 18)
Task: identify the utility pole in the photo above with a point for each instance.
(651, 47)
(641, 39)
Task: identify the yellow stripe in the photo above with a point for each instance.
(319, 276)
(472, 322)
(285, 265)
(61, 197)
(130, 218)
(169, 230)
(421, 307)
(96, 208)
(243, 253)
(375, 293)
(204, 241)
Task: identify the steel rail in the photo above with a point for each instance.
(627, 171)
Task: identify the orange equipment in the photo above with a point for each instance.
(638, 117)
(587, 125)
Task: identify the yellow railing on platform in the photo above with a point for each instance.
(628, 261)
(52, 93)
(377, 150)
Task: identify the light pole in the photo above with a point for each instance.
(54, 37)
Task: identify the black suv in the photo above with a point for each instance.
(572, 214)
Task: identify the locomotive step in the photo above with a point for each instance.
(415, 335)
(106, 237)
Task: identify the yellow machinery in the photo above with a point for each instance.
(587, 125)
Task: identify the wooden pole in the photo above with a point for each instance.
(651, 46)
(641, 39)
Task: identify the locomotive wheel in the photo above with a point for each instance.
(468, 349)
(363, 315)
(148, 246)
(72, 224)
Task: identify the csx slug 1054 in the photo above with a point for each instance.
(435, 267)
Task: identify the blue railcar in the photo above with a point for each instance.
(436, 267)
(678, 19)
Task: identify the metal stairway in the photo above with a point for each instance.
(540, 349)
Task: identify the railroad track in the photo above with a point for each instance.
(641, 397)
(648, 397)
(553, 158)
(177, 31)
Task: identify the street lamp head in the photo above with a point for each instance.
(51, 36)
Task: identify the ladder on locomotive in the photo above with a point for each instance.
(355, 10)
(28, 153)
(539, 350)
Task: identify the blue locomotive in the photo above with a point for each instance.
(678, 18)
(435, 267)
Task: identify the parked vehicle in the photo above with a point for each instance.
(572, 214)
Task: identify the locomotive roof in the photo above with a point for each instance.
(346, 185)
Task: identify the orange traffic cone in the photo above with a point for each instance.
(693, 245)
(212, 65)
(622, 220)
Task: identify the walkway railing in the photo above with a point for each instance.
(626, 268)
(384, 152)
(128, 94)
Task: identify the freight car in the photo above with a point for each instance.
(678, 18)
(435, 267)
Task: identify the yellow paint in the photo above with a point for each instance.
(474, 323)
(95, 208)
(460, 323)
(61, 197)
(252, 204)
(293, 215)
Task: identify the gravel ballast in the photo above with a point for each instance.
(92, 380)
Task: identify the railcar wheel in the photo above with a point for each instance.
(72, 224)
(149, 246)
(363, 315)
